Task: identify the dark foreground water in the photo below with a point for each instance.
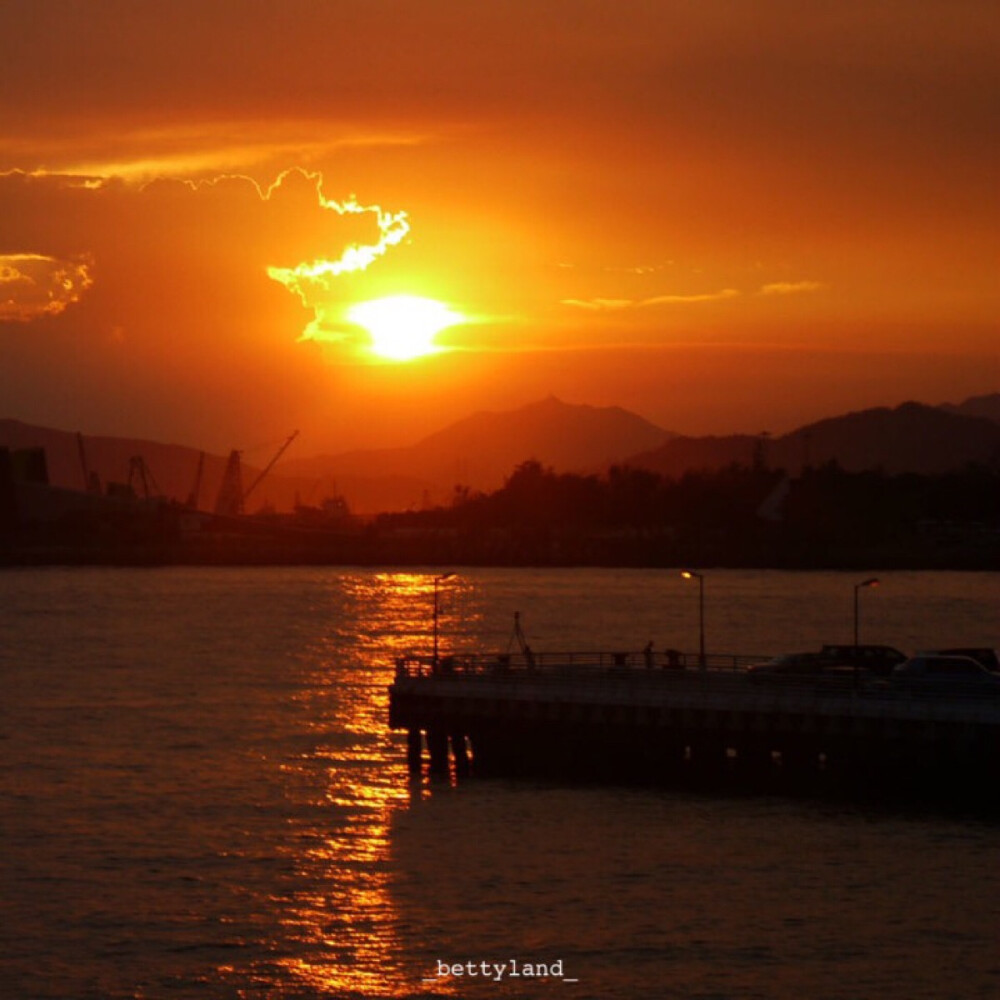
(199, 798)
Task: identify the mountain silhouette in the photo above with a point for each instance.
(480, 451)
(978, 406)
(912, 437)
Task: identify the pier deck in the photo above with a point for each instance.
(629, 716)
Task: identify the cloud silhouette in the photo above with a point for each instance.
(33, 285)
(198, 254)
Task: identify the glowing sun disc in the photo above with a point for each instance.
(403, 327)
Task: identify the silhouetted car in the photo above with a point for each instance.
(952, 676)
(805, 668)
(787, 665)
(987, 657)
(879, 660)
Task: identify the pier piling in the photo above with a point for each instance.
(414, 751)
(437, 747)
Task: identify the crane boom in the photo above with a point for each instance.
(139, 472)
(91, 481)
(81, 448)
(267, 468)
(196, 489)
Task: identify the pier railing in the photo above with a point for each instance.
(635, 676)
(579, 663)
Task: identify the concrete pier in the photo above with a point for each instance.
(608, 716)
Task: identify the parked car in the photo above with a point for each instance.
(807, 668)
(789, 665)
(952, 676)
(987, 657)
(879, 660)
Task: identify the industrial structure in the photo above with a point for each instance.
(231, 501)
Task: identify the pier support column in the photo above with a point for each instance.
(753, 758)
(461, 754)
(670, 753)
(414, 754)
(437, 744)
(799, 761)
(708, 756)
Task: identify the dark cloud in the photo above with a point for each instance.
(894, 75)
(196, 253)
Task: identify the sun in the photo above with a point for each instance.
(403, 327)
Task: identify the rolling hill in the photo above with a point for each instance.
(910, 438)
(977, 406)
(481, 450)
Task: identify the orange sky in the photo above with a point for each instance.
(723, 216)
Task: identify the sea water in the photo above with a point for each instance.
(200, 797)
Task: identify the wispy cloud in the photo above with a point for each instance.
(638, 269)
(608, 305)
(599, 305)
(791, 287)
(202, 149)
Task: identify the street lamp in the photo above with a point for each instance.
(438, 580)
(690, 574)
(873, 582)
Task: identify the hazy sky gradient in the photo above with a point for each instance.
(724, 216)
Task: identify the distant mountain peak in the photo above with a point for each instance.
(987, 406)
(911, 437)
(481, 450)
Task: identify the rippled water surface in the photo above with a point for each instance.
(199, 797)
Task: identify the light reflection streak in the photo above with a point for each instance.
(339, 930)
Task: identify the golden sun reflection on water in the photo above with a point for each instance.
(342, 920)
(340, 930)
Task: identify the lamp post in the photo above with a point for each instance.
(873, 582)
(690, 574)
(438, 580)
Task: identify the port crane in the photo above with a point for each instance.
(141, 476)
(192, 500)
(91, 480)
(232, 498)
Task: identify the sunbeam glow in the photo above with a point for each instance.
(403, 327)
